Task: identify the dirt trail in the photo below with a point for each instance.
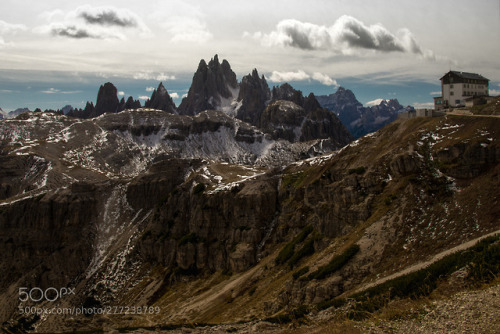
(424, 264)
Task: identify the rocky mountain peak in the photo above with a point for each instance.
(107, 100)
(360, 120)
(132, 104)
(161, 100)
(288, 93)
(66, 109)
(254, 95)
(214, 86)
(311, 103)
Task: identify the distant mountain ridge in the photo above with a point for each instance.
(14, 113)
(215, 87)
(360, 120)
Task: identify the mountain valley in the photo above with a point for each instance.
(248, 208)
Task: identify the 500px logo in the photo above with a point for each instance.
(50, 294)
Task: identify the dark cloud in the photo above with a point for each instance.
(108, 18)
(73, 32)
(357, 35)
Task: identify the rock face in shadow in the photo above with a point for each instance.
(47, 240)
(214, 86)
(254, 96)
(161, 100)
(287, 120)
(107, 100)
(194, 231)
(287, 93)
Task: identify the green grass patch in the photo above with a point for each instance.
(295, 180)
(359, 170)
(285, 253)
(300, 272)
(335, 264)
(306, 250)
(288, 250)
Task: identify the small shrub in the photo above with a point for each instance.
(303, 234)
(359, 170)
(285, 253)
(146, 235)
(336, 263)
(389, 199)
(337, 302)
(227, 272)
(288, 250)
(306, 250)
(191, 271)
(300, 272)
(199, 188)
(189, 238)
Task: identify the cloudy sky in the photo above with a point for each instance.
(55, 53)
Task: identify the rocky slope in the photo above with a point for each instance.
(130, 209)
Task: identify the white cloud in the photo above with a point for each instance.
(184, 95)
(346, 34)
(150, 89)
(174, 95)
(324, 79)
(143, 97)
(165, 77)
(187, 29)
(438, 93)
(6, 27)
(300, 75)
(182, 22)
(148, 75)
(58, 91)
(121, 93)
(494, 92)
(288, 76)
(9, 29)
(375, 102)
